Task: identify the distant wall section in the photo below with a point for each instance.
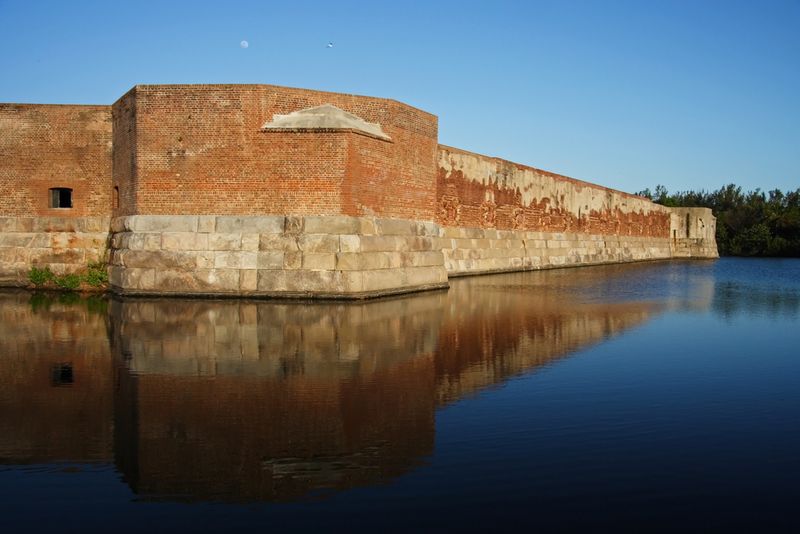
(55, 188)
(50, 146)
(496, 216)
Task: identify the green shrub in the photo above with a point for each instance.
(97, 275)
(40, 277)
(68, 281)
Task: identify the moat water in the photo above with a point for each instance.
(646, 397)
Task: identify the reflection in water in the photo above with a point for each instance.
(56, 375)
(251, 400)
(269, 401)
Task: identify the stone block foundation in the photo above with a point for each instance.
(302, 256)
(274, 256)
(477, 250)
(64, 245)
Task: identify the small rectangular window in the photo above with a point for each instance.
(61, 197)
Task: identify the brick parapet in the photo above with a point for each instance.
(201, 150)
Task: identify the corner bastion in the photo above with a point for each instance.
(258, 190)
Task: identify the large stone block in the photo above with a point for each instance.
(159, 259)
(380, 243)
(318, 243)
(164, 223)
(292, 260)
(250, 242)
(8, 224)
(423, 259)
(205, 259)
(171, 281)
(115, 276)
(57, 224)
(350, 243)
(319, 261)
(367, 260)
(383, 279)
(44, 256)
(120, 240)
(228, 260)
(271, 281)
(271, 224)
(143, 241)
(272, 259)
(248, 280)
(424, 276)
(332, 225)
(13, 255)
(95, 224)
(395, 227)
(316, 281)
(283, 243)
(184, 241)
(120, 224)
(138, 279)
(17, 239)
(427, 228)
(206, 223)
(366, 226)
(225, 241)
(226, 280)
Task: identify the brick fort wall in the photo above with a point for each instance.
(200, 149)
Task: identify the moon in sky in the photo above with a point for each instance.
(244, 44)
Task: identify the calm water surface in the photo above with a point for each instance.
(661, 396)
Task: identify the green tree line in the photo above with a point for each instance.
(748, 224)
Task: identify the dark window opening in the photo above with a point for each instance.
(61, 197)
(116, 197)
(687, 226)
(61, 374)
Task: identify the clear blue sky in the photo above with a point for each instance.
(628, 94)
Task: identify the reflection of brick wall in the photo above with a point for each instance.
(46, 146)
(249, 437)
(199, 149)
(495, 329)
(56, 376)
(244, 400)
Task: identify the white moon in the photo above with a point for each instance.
(244, 44)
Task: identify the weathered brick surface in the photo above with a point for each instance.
(47, 146)
(477, 191)
(199, 149)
